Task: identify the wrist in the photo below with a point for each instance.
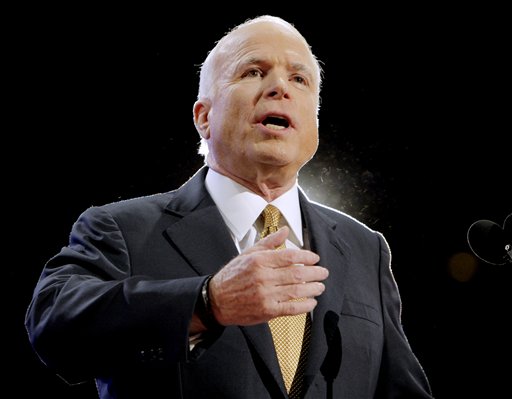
(205, 312)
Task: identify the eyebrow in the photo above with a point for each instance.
(252, 60)
(299, 67)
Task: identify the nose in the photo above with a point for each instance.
(277, 86)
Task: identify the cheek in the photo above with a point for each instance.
(310, 122)
(235, 109)
(308, 107)
(309, 142)
(240, 106)
(226, 128)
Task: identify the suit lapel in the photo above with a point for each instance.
(204, 240)
(200, 234)
(334, 255)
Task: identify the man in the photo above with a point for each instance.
(178, 294)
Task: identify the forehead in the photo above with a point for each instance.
(266, 40)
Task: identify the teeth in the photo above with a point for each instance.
(274, 127)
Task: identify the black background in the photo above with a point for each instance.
(415, 142)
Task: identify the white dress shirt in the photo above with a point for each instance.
(240, 208)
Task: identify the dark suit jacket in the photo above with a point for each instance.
(116, 303)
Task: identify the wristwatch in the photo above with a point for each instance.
(204, 308)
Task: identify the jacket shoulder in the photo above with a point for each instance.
(340, 217)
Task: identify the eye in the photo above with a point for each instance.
(252, 73)
(300, 79)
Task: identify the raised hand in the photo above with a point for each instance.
(262, 283)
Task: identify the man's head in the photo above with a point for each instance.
(258, 102)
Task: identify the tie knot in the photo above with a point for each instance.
(271, 216)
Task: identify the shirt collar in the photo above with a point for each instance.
(240, 207)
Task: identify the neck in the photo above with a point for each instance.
(268, 185)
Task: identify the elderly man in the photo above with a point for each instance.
(235, 285)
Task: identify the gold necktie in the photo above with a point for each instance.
(290, 333)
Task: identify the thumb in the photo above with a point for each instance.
(275, 239)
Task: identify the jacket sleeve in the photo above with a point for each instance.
(401, 375)
(89, 315)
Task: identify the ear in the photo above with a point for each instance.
(201, 113)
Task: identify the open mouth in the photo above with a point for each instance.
(275, 122)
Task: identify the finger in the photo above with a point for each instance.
(273, 240)
(297, 292)
(301, 274)
(283, 257)
(290, 308)
(288, 257)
